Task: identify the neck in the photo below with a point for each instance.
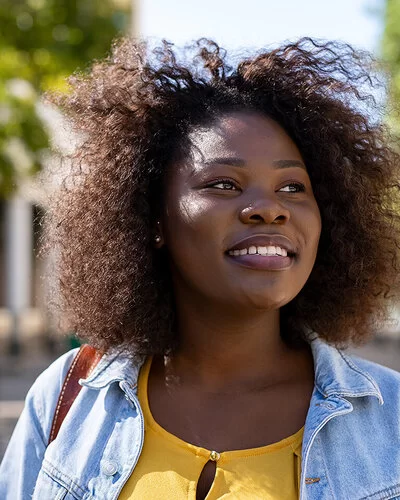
(220, 348)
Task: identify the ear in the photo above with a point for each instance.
(158, 238)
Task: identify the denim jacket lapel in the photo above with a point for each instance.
(336, 377)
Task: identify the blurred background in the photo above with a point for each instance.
(44, 41)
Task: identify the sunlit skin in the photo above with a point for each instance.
(212, 204)
(245, 176)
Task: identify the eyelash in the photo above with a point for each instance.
(298, 185)
(223, 181)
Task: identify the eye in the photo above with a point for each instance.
(293, 187)
(224, 185)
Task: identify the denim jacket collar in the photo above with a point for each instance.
(338, 375)
(115, 366)
(335, 373)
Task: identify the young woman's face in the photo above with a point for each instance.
(240, 221)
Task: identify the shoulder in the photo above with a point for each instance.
(379, 372)
(42, 397)
(53, 377)
(41, 400)
(386, 379)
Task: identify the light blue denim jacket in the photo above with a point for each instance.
(351, 444)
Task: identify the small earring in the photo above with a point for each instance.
(157, 238)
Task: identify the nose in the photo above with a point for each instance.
(264, 210)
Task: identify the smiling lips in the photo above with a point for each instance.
(264, 252)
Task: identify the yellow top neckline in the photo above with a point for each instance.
(294, 441)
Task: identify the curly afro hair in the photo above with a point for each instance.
(134, 112)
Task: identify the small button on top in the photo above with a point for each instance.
(215, 456)
(109, 468)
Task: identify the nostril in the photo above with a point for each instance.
(259, 218)
(264, 212)
(280, 218)
(256, 217)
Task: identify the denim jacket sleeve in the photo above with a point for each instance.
(24, 455)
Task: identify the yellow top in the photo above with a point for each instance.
(169, 467)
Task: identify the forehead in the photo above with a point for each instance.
(245, 135)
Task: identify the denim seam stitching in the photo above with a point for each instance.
(62, 493)
(61, 397)
(320, 389)
(392, 490)
(48, 468)
(361, 372)
(324, 464)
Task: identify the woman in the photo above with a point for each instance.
(224, 231)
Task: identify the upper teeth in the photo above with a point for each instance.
(270, 250)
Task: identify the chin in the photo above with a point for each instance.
(266, 302)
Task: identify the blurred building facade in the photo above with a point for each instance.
(23, 272)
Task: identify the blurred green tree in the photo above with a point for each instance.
(390, 48)
(41, 43)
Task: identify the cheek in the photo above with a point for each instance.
(307, 221)
(188, 216)
(317, 223)
(191, 209)
(314, 231)
(194, 229)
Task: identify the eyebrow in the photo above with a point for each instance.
(239, 162)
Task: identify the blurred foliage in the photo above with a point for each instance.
(390, 49)
(41, 43)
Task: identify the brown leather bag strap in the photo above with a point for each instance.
(82, 365)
